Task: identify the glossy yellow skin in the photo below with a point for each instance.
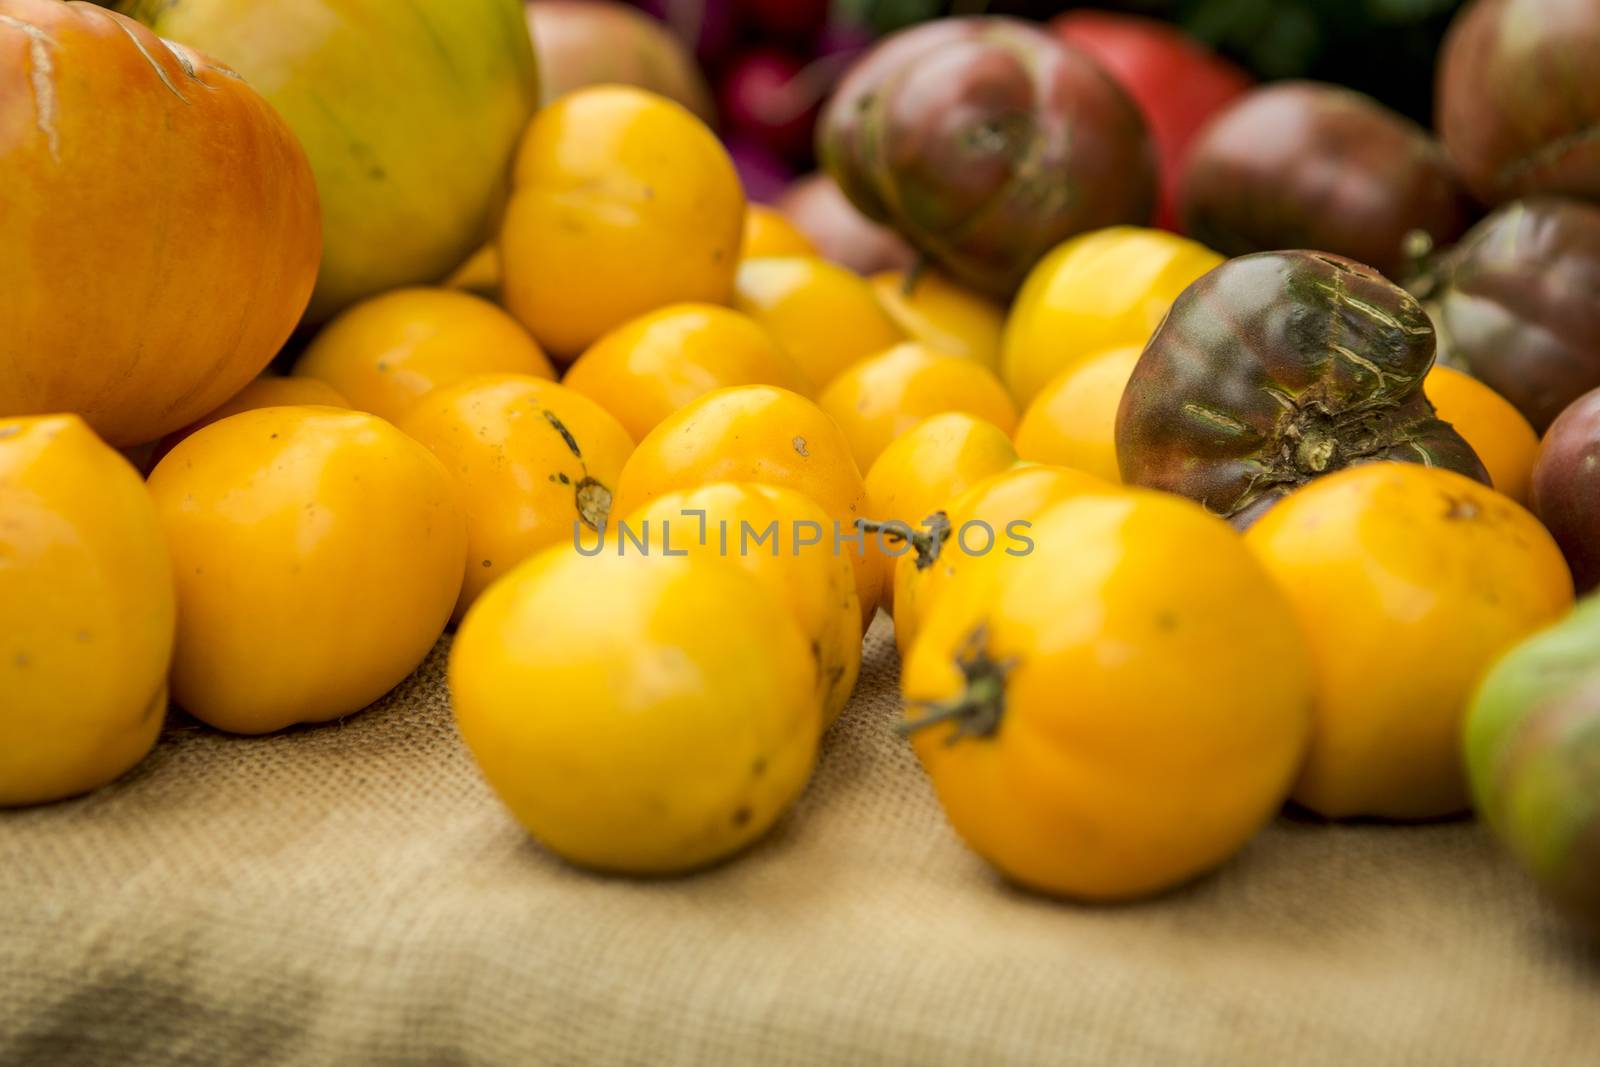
(1016, 494)
(267, 391)
(651, 366)
(1409, 583)
(87, 612)
(1154, 712)
(638, 715)
(387, 353)
(943, 315)
(881, 397)
(824, 316)
(1495, 429)
(758, 433)
(924, 468)
(524, 484)
(1103, 289)
(410, 114)
(816, 583)
(318, 553)
(1073, 420)
(767, 232)
(622, 202)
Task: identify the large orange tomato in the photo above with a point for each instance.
(1492, 425)
(159, 222)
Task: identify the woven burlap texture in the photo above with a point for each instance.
(355, 894)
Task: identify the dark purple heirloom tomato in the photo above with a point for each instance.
(1566, 487)
(1517, 304)
(985, 142)
(1518, 104)
(1277, 368)
(1308, 165)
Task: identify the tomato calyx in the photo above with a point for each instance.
(977, 710)
(925, 542)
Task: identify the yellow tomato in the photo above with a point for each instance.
(1409, 582)
(943, 315)
(1101, 718)
(768, 233)
(86, 612)
(759, 433)
(1104, 289)
(535, 462)
(479, 275)
(781, 536)
(1001, 506)
(1073, 420)
(643, 715)
(318, 553)
(823, 315)
(387, 353)
(1495, 429)
(651, 366)
(880, 398)
(622, 202)
(921, 470)
(267, 391)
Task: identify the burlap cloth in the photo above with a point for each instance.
(354, 894)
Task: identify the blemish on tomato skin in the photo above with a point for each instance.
(800, 447)
(743, 815)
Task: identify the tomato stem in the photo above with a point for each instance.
(978, 709)
(925, 542)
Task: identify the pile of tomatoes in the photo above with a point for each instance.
(660, 465)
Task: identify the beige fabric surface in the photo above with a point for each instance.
(354, 894)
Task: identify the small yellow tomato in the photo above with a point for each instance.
(388, 352)
(991, 515)
(267, 391)
(781, 536)
(1101, 718)
(941, 314)
(318, 553)
(536, 464)
(880, 398)
(1494, 428)
(823, 315)
(622, 202)
(1409, 582)
(920, 471)
(479, 275)
(86, 612)
(640, 715)
(1104, 289)
(651, 366)
(767, 232)
(759, 433)
(1073, 420)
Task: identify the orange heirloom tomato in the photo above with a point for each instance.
(1104, 289)
(535, 463)
(641, 715)
(651, 366)
(759, 433)
(1101, 718)
(622, 202)
(1492, 425)
(267, 391)
(1409, 582)
(880, 398)
(158, 218)
(780, 535)
(768, 233)
(86, 612)
(1004, 503)
(823, 315)
(1073, 420)
(936, 311)
(388, 352)
(318, 553)
(924, 468)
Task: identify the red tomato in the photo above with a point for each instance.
(1177, 82)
